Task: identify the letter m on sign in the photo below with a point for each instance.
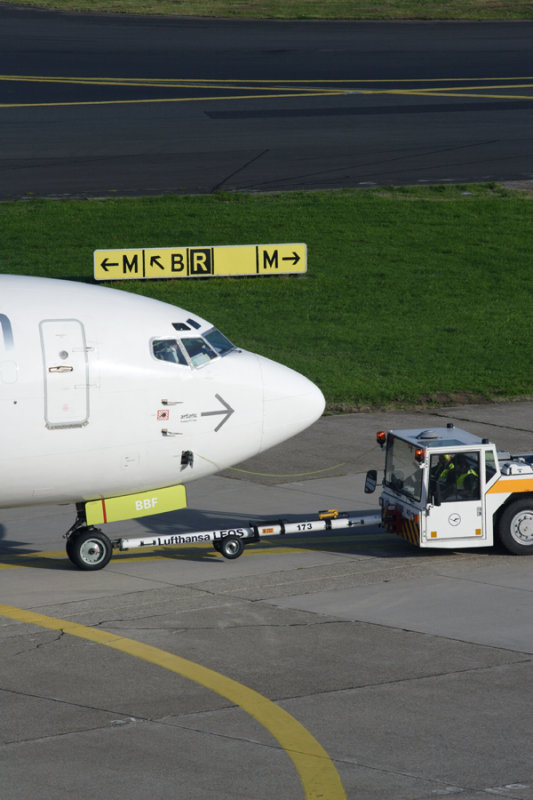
(130, 265)
(270, 260)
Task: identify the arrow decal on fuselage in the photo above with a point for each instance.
(227, 411)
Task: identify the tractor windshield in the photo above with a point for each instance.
(402, 472)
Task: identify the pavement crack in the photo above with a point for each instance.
(120, 720)
(498, 424)
(470, 579)
(32, 645)
(428, 676)
(70, 703)
(226, 627)
(246, 164)
(441, 787)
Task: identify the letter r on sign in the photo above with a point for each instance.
(201, 262)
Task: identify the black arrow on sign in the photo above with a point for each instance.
(105, 264)
(294, 258)
(155, 260)
(227, 411)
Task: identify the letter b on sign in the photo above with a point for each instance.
(176, 262)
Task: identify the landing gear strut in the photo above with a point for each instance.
(87, 547)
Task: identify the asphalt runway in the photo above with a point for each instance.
(346, 665)
(108, 106)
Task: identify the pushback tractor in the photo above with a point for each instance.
(446, 488)
(442, 488)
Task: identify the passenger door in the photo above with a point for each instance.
(66, 373)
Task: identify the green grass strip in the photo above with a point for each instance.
(305, 9)
(411, 296)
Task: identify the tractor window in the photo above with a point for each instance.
(490, 465)
(455, 476)
(402, 471)
(168, 350)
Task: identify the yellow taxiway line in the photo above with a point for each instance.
(267, 89)
(317, 773)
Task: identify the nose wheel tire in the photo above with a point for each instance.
(89, 550)
(230, 547)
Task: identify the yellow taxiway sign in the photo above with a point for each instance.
(200, 262)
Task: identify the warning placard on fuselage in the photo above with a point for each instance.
(200, 262)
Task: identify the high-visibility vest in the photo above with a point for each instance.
(462, 478)
(446, 471)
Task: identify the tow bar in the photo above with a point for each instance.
(90, 549)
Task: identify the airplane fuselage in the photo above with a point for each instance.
(104, 393)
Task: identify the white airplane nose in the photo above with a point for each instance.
(291, 402)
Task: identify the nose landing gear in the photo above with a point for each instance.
(89, 548)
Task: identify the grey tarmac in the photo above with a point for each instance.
(413, 670)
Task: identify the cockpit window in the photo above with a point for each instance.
(219, 342)
(198, 351)
(168, 350)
